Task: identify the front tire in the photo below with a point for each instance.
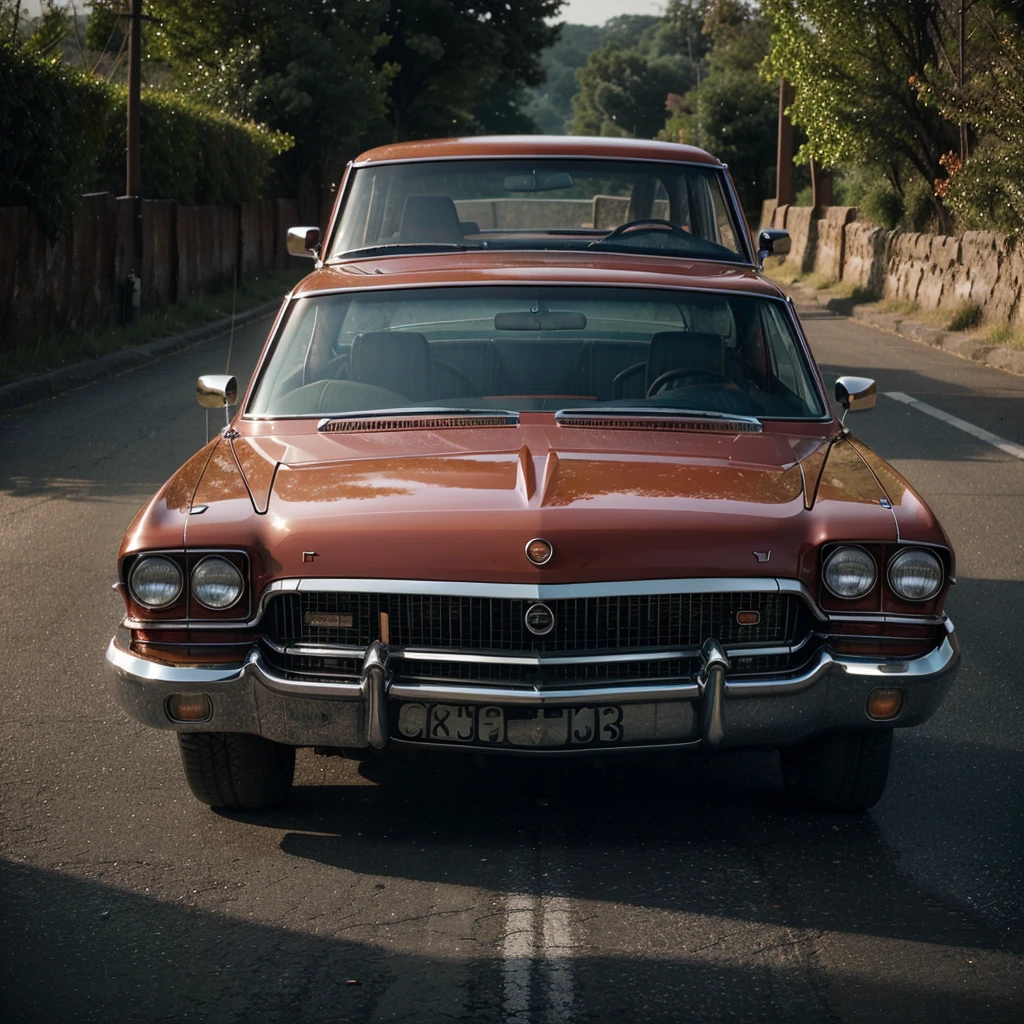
(841, 771)
(236, 771)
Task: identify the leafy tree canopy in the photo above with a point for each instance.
(733, 113)
(452, 58)
(853, 64)
(622, 89)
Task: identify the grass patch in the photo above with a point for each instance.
(966, 318)
(29, 355)
(901, 306)
(781, 273)
(1005, 336)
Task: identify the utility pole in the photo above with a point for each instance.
(133, 171)
(784, 161)
(134, 184)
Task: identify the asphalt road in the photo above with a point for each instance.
(398, 892)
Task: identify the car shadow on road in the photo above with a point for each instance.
(713, 839)
(75, 950)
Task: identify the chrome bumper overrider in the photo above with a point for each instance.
(829, 694)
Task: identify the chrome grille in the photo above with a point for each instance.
(582, 625)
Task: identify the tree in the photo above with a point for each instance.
(451, 57)
(853, 63)
(983, 187)
(311, 70)
(623, 93)
(733, 112)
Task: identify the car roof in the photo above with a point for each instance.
(491, 146)
(604, 270)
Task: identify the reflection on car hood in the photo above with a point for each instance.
(463, 504)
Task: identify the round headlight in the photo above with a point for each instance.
(915, 575)
(216, 583)
(155, 582)
(849, 572)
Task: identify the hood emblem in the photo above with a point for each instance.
(539, 551)
(539, 619)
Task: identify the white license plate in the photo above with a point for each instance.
(591, 726)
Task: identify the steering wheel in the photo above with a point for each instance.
(658, 385)
(644, 224)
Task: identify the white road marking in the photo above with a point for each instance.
(518, 947)
(557, 952)
(537, 945)
(1016, 450)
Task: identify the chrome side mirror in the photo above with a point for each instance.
(215, 391)
(304, 242)
(772, 242)
(856, 393)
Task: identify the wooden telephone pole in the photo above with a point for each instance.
(133, 172)
(134, 183)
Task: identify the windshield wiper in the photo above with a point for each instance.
(654, 412)
(507, 417)
(401, 248)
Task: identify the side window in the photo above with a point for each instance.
(787, 363)
(723, 223)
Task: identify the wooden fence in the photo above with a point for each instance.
(78, 280)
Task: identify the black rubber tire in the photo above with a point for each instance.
(842, 771)
(236, 771)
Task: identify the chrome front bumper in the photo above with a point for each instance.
(828, 695)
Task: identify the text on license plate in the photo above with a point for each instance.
(593, 725)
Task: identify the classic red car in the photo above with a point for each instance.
(535, 462)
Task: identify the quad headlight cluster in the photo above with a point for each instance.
(914, 574)
(157, 582)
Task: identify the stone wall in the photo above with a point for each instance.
(938, 272)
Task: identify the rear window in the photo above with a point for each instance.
(636, 206)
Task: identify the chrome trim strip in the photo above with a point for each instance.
(131, 666)
(543, 591)
(326, 651)
(528, 591)
(542, 661)
(931, 664)
(125, 663)
(534, 697)
(603, 751)
(908, 620)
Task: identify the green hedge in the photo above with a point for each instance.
(53, 125)
(62, 133)
(189, 152)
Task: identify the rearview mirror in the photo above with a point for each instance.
(542, 181)
(539, 321)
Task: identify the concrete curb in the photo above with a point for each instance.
(68, 378)
(996, 357)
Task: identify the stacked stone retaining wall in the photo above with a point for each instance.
(938, 272)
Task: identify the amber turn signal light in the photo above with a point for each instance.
(748, 618)
(189, 707)
(884, 704)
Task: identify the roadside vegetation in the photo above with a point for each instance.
(844, 298)
(53, 349)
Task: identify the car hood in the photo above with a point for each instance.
(462, 505)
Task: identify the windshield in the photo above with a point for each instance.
(615, 205)
(520, 348)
